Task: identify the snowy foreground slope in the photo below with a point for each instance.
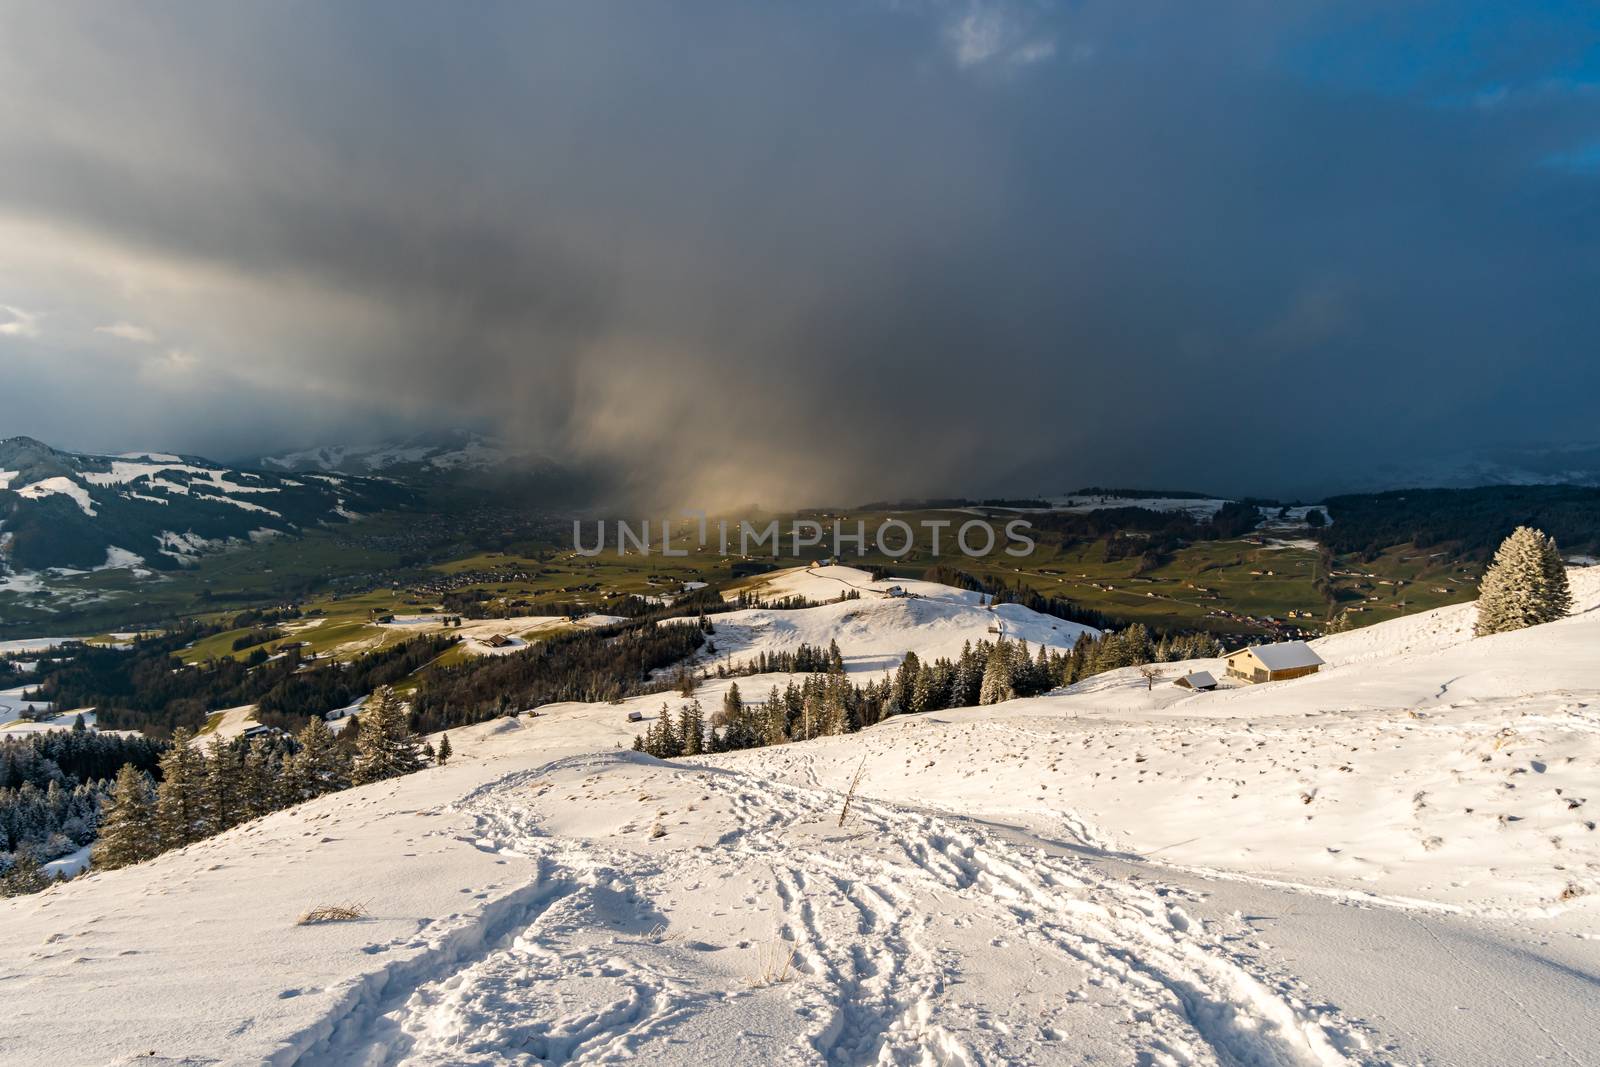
(1107, 875)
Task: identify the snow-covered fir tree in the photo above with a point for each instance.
(128, 831)
(663, 739)
(968, 679)
(775, 720)
(180, 800)
(835, 717)
(386, 747)
(444, 749)
(260, 783)
(320, 766)
(997, 685)
(221, 794)
(691, 729)
(1525, 585)
(25, 875)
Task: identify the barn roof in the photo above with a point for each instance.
(1283, 656)
(1199, 680)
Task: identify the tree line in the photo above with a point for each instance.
(1001, 592)
(149, 688)
(604, 664)
(192, 792)
(1474, 520)
(826, 702)
(55, 785)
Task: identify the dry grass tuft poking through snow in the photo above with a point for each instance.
(334, 913)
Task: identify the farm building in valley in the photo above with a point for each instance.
(1273, 663)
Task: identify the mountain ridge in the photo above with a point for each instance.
(419, 455)
(160, 510)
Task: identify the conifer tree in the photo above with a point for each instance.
(968, 679)
(997, 676)
(444, 749)
(387, 747)
(260, 792)
(1525, 585)
(905, 682)
(349, 738)
(223, 770)
(668, 743)
(775, 726)
(25, 874)
(691, 730)
(1558, 592)
(321, 766)
(128, 831)
(1077, 664)
(180, 801)
(834, 717)
(922, 695)
(1137, 649)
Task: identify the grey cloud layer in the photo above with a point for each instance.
(794, 251)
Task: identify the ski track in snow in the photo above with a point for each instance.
(574, 966)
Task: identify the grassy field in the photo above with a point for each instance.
(340, 583)
(1226, 586)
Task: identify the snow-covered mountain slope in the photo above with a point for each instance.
(156, 510)
(1321, 871)
(427, 453)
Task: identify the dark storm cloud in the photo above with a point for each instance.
(770, 252)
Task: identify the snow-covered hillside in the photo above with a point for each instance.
(150, 510)
(878, 629)
(1393, 861)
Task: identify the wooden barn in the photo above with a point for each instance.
(1200, 681)
(1273, 663)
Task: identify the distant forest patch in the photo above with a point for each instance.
(1476, 520)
